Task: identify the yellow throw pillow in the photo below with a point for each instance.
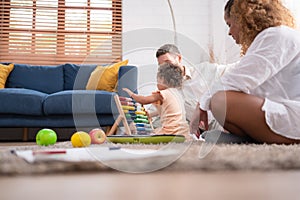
(95, 76)
(105, 77)
(4, 73)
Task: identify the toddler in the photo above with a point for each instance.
(167, 100)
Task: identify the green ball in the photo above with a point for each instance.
(46, 137)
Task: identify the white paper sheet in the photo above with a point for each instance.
(95, 154)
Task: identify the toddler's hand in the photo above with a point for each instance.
(129, 92)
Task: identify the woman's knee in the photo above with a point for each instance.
(227, 99)
(224, 103)
(218, 101)
(218, 106)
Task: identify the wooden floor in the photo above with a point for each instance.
(158, 185)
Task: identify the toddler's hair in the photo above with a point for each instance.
(170, 74)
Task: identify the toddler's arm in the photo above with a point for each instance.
(154, 97)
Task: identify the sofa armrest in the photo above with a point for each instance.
(127, 78)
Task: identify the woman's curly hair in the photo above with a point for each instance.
(253, 16)
(171, 75)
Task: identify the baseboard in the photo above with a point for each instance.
(28, 134)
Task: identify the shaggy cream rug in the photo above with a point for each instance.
(194, 156)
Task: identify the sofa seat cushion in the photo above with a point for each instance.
(21, 101)
(79, 102)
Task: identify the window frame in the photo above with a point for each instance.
(105, 54)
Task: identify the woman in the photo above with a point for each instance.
(260, 97)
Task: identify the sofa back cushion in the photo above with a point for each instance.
(77, 76)
(47, 79)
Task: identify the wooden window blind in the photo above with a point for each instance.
(54, 32)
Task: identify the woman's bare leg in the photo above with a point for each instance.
(241, 115)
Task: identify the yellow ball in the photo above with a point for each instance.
(80, 139)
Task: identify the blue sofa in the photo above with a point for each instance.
(55, 97)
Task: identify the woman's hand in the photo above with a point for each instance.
(203, 122)
(194, 123)
(199, 120)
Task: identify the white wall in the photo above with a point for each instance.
(198, 24)
(149, 24)
(294, 6)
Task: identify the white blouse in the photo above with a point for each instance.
(197, 80)
(271, 70)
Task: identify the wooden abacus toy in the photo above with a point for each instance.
(142, 122)
(133, 116)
